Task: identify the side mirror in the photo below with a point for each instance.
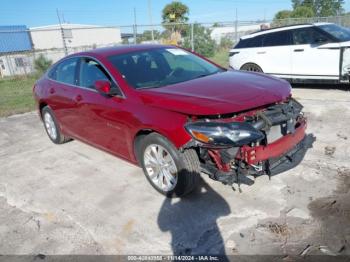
(103, 87)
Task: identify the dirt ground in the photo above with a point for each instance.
(74, 199)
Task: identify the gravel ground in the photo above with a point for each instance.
(74, 199)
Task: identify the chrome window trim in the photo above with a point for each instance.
(81, 87)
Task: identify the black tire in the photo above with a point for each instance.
(60, 138)
(187, 164)
(251, 67)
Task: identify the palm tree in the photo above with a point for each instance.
(175, 12)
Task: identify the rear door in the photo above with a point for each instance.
(275, 55)
(62, 92)
(102, 118)
(314, 55)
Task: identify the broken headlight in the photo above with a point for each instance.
(224, 134)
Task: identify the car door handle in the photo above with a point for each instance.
(78, 98)
(51, 90)
(298, 50)
(261, 53)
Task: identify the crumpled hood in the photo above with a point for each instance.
(227, 92)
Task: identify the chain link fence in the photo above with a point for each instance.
(27, 51)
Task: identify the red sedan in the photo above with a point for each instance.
(174, 113)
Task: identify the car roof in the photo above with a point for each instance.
(281, 28)
(121, 49)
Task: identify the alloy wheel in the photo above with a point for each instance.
(50, 126)
(160, 167)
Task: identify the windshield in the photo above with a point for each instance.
(160, 67)
(339, 32)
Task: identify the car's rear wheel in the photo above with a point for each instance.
(170, 172)
(51, 126)
(251, 67)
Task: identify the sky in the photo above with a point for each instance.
(121, 12)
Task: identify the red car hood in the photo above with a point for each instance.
(227, 92)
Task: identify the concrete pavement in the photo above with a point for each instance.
(75, 199)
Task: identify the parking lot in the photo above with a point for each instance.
(75, 199)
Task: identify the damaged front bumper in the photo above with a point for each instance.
(257, 154)
(282, 148)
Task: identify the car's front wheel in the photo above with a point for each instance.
(52, 127)
(170, 172)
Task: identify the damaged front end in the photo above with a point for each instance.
(263, 141)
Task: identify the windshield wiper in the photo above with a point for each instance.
(204, 75)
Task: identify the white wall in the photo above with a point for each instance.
(51, 37)
(229, 31)
(8, 66)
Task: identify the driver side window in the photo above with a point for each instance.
(91, 71)
(308, 35)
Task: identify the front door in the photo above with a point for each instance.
(100, 115)
(313, 56)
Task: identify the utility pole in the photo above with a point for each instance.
(135, 29)
(62, 33)
(150, 17)
(192, 37)
(236, 26)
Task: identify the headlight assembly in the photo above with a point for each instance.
(224, 134)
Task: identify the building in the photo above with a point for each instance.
(230, 31)
(20, 46)
(74, 36)
(15, 44)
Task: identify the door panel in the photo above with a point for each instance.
(311, 57)
(275, 60)
(101, 116)
(276, 53)
(62, 92)
(101, 122)
(64, 106)
(315, 60)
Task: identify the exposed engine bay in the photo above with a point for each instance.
(264, 141)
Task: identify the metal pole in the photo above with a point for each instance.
(192, 37)
(62, 33)
(236, 26)
(150, 18)
(135, 29)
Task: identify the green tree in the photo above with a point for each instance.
(175, 12)
(321, 8)
(281, 17)
(41, 64)
(203, 43)
(217, 24)
(225, 43)
(283, 14)
(325, 8)
(302, 12)
(147, 36)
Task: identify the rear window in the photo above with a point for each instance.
(278, 39)
(65, 71)
(256, 41)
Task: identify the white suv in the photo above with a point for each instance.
(299, 53)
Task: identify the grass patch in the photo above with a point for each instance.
(221, 57)
(16, 95)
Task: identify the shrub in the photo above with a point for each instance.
(41, 64)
